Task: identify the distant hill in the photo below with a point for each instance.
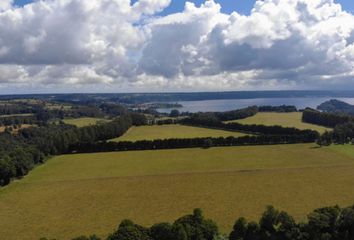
(336, 106)
(139, 98)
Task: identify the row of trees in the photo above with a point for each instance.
(18, 108)
(237, 114)
(205, 120)
(328, 223)
(21, 152)
(324, 119)
(16, 120)
(282, 108)
(244, 112)
(83, 147)
(341, 134)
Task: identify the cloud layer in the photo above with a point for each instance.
(117, 45)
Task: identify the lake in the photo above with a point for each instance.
(232, 104)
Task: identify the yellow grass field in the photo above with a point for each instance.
(80, 194)
(283, 119)
(2, 128)
(172, 131)
(82, 122)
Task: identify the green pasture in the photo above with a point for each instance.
(79, 194)
(82, 122)
(292, 119)
(172, 131)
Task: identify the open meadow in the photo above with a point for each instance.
(79, 194)
(83, 122)
(173, 131)
(292, 119)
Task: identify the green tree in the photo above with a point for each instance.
(174, 113)
(127, 230)
(239, 230)
(7, 170)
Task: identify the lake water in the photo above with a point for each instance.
(232, 104)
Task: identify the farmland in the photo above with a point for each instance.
(292, 119)
(172, 131)
(82, 122)
(79, 194)
(23, 126)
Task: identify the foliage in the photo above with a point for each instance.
(329, 223)
(282, 108)
(20, 153)
(237, 114)
(324, 119)
(336, 106)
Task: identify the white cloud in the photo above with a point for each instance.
(281, 44)
(5, 5)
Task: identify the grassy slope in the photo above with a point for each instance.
(283, 119)
(81, 194)
(82, 122)
(172, 131)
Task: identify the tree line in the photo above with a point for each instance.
(17, 120)
(31, 146)
(341, 134)
(323, 118)
(327, 223)
(342, 124)
(175, 143)
(237, 114)
(206, 120)
(282, 108)
(17, 108)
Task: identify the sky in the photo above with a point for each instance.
(53, 46)
(228, 6)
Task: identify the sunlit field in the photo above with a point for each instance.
(172, 131)
(79, 194)
(283, 119)
(82, 122)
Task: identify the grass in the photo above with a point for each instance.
(17, 115)
(283, 119)
(82, 122)
(23, 126)
(172, 131)
(80, 194)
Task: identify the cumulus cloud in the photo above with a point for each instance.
(5, 5)
(281, 44)
(296, 42)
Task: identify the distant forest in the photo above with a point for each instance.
(138, 98)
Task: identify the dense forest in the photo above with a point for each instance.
(336, 106)
(324, 119)
(342, 124)
(328, 223)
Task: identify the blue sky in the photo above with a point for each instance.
(241, 6)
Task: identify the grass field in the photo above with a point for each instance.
(80, 194)
(17, 115)
(172, 131)
(283, 119)
(2, 128)
(82, 122)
